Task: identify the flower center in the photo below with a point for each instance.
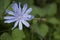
(20, 17)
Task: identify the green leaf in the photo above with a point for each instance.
(5, 36)
(57, 35)
(39, 11)
(35, 10)
(51, 9)
(18, 34)
(42, 12)
(53, 20)
(3, 5)
(27, 33)
(41, 29)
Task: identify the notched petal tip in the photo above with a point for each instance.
(28, 26)
(4, 17)
(6, 22)
(30, 17)
(24, 8)
(12, 28)
(14, 3)
(30, 9)
(25, 5)
(7, 11)
(20, 29)
(14, 6)
(20, 25)
(25, 23)
(16, 23)
(9, 17)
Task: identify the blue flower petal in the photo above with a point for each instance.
(15, 7)
(24, 8)
(28, 17)
(9, 12)
(25, 23)
(28, 11)
(20, 25)
(10, 20)
(19, 9)
(16, 23)
(9, 17)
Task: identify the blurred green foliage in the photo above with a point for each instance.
(45, 25)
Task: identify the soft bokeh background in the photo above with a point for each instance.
(45, 25)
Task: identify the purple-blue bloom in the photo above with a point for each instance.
(19, 15)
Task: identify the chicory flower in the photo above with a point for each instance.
(19, 15)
